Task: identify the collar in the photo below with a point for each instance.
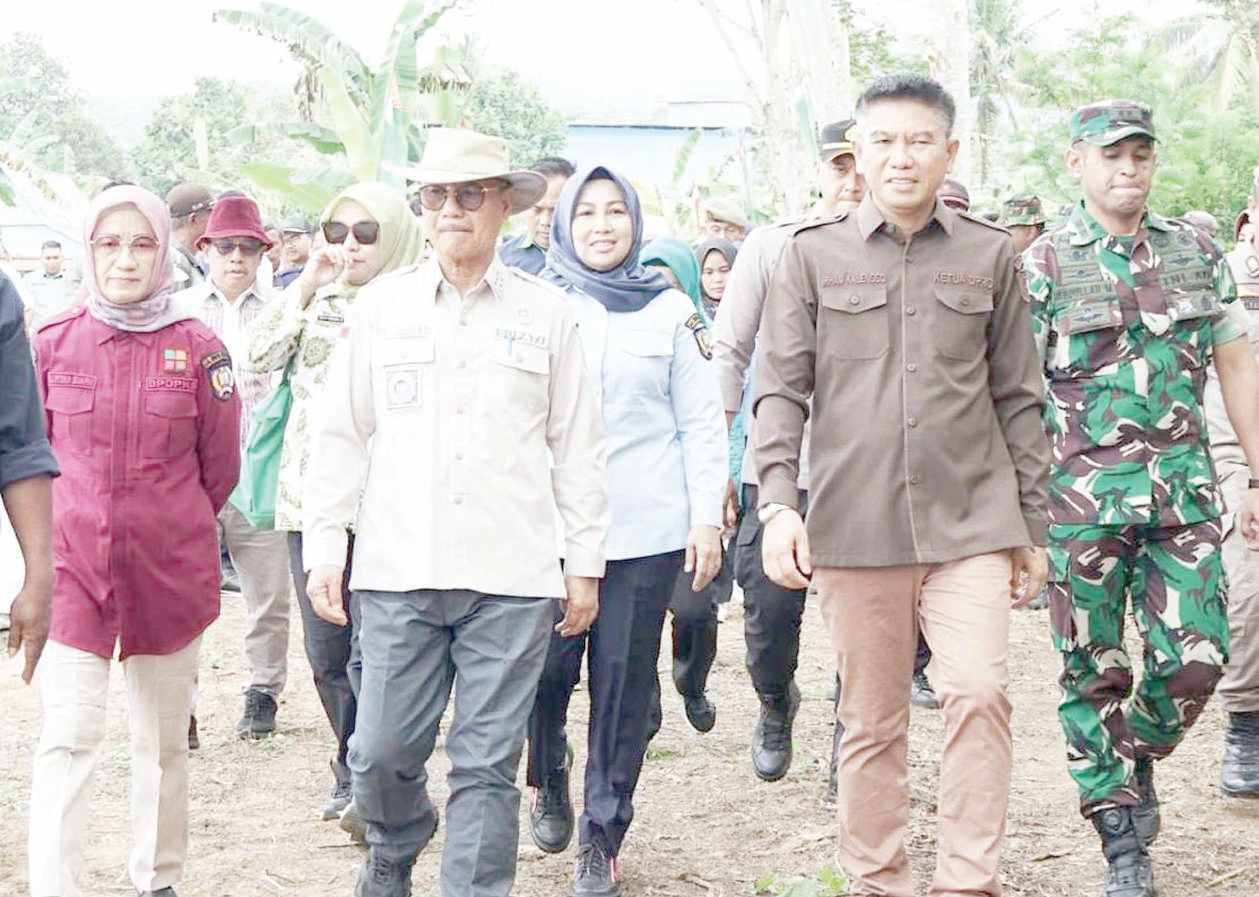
(1083, 229)
(871, 219)
(253, 292)
(494, 278)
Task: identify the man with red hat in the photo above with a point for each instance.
(229, 299)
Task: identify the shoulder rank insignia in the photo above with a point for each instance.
(699, 330)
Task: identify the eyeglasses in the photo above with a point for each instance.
(141, 245)
(365, 232)
(470, 197)
(246, 246)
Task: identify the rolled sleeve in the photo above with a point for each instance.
(24, 448)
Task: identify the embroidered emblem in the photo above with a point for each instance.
(699, 330)
(175, 361)
(330, 317)
(1252, 264)
(218, 368)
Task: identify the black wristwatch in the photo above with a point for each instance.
(1252, 483)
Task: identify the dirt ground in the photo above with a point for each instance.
(705, 826)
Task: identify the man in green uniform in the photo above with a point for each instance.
(1129, 309)
(1024, 218)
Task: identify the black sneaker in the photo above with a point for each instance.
(259, 718)
(337, 803)
(700, 712)
(381, 876)
(1145, 815)
(595, 874)
(921, 694)
(551, 814)
(771, 741)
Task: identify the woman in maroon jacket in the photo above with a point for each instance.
(143, 419)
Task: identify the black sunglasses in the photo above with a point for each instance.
(246, 246)
(365, 232)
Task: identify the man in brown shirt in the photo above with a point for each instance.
(904, 321)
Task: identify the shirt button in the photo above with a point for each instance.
(462, 365)
(854, 300)
(911, 367)
(913, 422)
(965, 301)
(458, 499)
(915, 480)
(911, 311)
(459, 410)
(463, 322)
(458, 456)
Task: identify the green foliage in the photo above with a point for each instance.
(214, 107)
(45, 119)
(503, 103)
(872, 47)
(828, 883)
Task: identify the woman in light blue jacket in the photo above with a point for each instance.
(647, 354)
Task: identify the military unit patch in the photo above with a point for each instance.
(175, 361)
(218, 367)
(699, 330)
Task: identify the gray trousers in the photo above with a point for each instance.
(261, 557)
(415, 646)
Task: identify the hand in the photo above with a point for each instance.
(28, 622)
(1029, 569)
(323, 588)
(703, 555)
(323, 267)
(785, 551)
(730, 508)
(1248, 519)
(581, 607)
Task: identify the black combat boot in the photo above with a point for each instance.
(1128, 872)
(771, 742)
(551, 816)
(1239, 773)
(1145, 815)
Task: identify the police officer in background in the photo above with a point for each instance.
(1129, 308)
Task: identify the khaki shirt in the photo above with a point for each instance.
(1226, 450)
(463, 423)
(927, 394)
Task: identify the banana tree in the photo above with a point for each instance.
(367, 121)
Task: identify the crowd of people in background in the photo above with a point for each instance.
(923, 415)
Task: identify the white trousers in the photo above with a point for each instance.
(73, 685)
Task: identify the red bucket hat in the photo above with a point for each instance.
(235, 215)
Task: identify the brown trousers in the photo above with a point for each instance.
(873, 615)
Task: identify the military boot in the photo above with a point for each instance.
(1239, 773)
(771, 741)
(551, 816)
(1128, 872)
(1145, 815)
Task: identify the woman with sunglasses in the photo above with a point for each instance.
(143, 418)
(368, 230)
(646, 351)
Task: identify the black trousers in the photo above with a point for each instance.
(333, 654)
(621, 651)
(771, 614)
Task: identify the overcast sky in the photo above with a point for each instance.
(582, 53)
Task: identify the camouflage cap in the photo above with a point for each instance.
(835, 139)
(1107, 122)
(1025, 209)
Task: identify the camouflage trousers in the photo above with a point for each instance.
(1173, 577)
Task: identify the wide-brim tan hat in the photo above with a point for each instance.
(457, 156)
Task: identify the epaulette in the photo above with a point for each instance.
(978, 219)
(802, 226)
(61, 317)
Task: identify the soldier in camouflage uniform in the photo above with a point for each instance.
(1024, 218)
(1129, 309)
(1239, 688)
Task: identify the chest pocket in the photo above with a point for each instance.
(961, 324)
(521, 372)
(641, 365)
(406, 369)
(169, 427)
(858, 329)
(71, 409)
